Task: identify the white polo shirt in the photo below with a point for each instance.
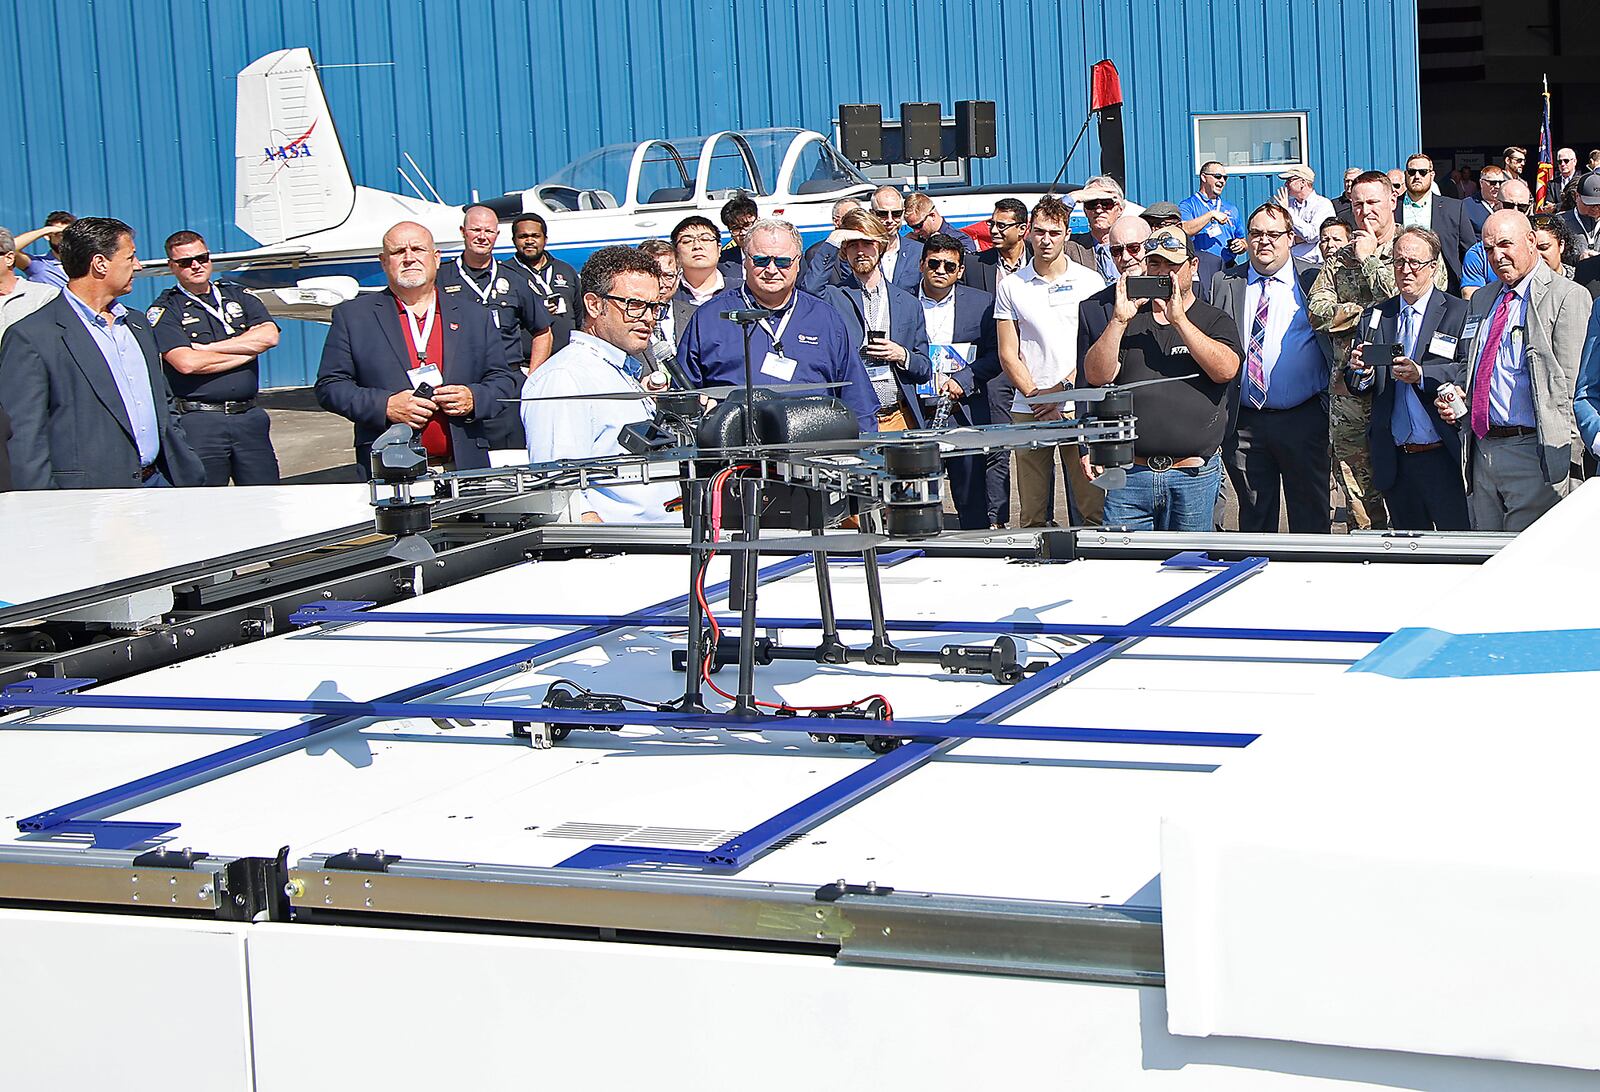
(1046, 314)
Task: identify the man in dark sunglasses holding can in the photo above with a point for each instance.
(1215, 225)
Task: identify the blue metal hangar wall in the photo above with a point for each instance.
(126, 107)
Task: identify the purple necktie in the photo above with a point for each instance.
(1254, 370)
(1485, 368)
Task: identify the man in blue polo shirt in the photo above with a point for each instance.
(1215, 225)
(805, 342)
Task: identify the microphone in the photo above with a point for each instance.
(748, 315)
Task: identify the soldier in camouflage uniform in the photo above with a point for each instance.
(1358, 276)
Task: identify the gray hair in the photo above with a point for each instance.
(773, 226)
(1429, 239)
(8, 241)
(1106, 182)
(844, 205)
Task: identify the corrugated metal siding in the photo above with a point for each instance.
(126, 106)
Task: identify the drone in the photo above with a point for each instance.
(751, 459)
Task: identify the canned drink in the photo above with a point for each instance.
(1452, 398)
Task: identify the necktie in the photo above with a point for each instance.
(1255, 369)
(1407, 331)
(1485, 368)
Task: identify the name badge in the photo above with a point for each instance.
(556, 304)
(778, 367)
(1443, 345)
(1214, 229)
(1470, 331)
(880, 373)
(1060, 295)
(427, 373)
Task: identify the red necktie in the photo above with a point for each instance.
(1485, 368)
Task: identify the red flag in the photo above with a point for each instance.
(1105, 86)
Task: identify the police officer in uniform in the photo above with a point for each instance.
(211, 337)
(514, 308)
(554, 281)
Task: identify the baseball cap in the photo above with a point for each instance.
(1589, 188)
(1299, 172)
(1162, 210)
(1093, 193)
(1169, 243)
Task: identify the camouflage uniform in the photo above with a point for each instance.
(1344, 289)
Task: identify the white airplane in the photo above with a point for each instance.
(321, 233)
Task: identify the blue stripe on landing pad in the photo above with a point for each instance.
(1435, 654)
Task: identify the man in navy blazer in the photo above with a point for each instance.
(1446, 217)
(955, 314)
(902, 256)
(383, 346)
(1416, 456)
(82, 383)
(897, 358)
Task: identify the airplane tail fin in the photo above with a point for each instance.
(290, 174)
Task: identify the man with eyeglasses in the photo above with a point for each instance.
(925, 221)
(1515, 159)
(554, 282)
(1102, 206)
(672, 313)
(1583, 221)
(1177, 470)
(1566, 170)
(211, 335)
(1488, 199)
(1523, 345)
(1419, 206)
(620, 297)
(696, 242)
(1280, 440)
(1416, 456)
(1475, 271)
(804, 341)
(413, 355)
(1359, 276)
(1307, 210)
(901, 262)
(1215, 225)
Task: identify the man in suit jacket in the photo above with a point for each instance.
(1525, 341)
(955, 315)
(1445, 216)
(897, 359)
(1416, 457)
(902, 261)
(1280, 437)
(81, 379)
(413, 355)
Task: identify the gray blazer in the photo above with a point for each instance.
(1227, 295)
(1558, 317)
(70, 428)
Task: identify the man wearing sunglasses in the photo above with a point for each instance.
(1215, 225)
(1446, 217)
(413, 355)
(901, 263)
(925, 221)
(1101, 202)
(1475, 271)
(1487, 201)
(211, 336)
(620, 296)
(804, 341)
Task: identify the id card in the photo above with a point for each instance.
(1214, 229)
(880, 373)
(426, 373)
(556, 304)
(1443, 345)
(1060, 295)
(778, 367)
(1470, 331)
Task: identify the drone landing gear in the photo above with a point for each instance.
(998, 660)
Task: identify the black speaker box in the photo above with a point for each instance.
(975, 129)
(919, 130)
(861, 132)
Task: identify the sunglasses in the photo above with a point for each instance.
(761, 261)
(1125, 248)
(193, 259)
(1218, 177)
(1098, 204)
(941, 265)
(1003, 226)
(1492, 181)
(888, 214)
(1515, 206)
(1419, 171)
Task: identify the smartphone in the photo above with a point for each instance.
(877, 335)
(424, 390)
(1380, 353)
(1150, 288)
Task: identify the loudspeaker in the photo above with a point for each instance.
(861, 132)
(919, 130)
(975, 129)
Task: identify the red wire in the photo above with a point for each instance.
(717, 483)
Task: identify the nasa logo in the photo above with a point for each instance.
(285, 152)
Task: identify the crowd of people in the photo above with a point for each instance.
(1431, 356)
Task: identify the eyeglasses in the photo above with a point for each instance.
(1404, 264)
(203, 258)
(708, 240)
(1125, 248)
(632, 309)
(761, 261)
(1419, 171)
(888, 214)
(1258, 234)
(1098, 204)
(1000, 227)
(1218, 177)
(941, 265)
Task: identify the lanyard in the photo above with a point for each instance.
(422, 332)
(543, 283)
(214, 312)
(483, 297)
(775, 335)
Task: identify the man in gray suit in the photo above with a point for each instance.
(1525, 341)
(1281, 435)
(82, 381)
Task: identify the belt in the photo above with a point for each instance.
(147, 472)
(1417, 449)
(1505, 432)
(1159, 463)
(244, 406)
(1277, 409)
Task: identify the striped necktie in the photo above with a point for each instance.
(1255, 369)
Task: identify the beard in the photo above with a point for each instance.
(411, 278)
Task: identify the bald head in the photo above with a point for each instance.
(410, 259)
(1509, 245)
(1516, 192)
(1125, 232)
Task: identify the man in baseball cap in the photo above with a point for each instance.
(1307, 210)
(1206, 266)
(1583, 222)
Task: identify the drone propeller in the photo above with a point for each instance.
(1097, 394)
(950, 440)
(722, 390)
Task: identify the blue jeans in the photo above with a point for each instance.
(1180, 499)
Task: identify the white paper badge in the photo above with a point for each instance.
(778, 367)
(1442, 345)
(427, 373)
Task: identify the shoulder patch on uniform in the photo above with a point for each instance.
(154, 314)
(452, 288)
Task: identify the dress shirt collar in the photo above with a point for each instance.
(1419, 308)
(1427, 199)
(929, 301)
(1284, 275)
(119, 313)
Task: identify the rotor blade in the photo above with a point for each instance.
(855, 542)
(972, 438)
(1096, 394)
(719, 391)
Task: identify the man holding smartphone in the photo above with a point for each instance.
(1177, 469)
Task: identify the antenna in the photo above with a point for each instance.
(420, 195)
(424, 177)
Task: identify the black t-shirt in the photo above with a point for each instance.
(177, 320)
(516, 309)
(556, 285)
(1188, 417)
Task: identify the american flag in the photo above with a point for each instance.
(1542, 198)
